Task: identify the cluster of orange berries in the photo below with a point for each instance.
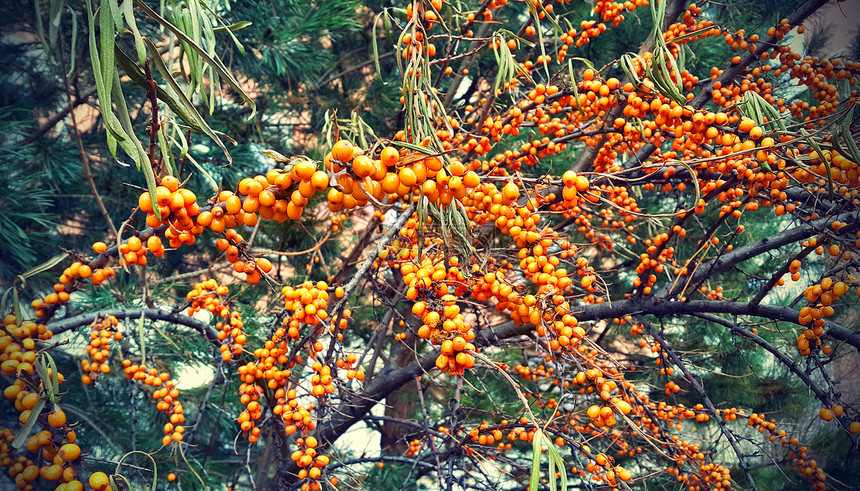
(414, 448)
(690, 23)
(454, 356)
(208, 295)
(610, 11)
(134, 250)
(18, 345)
(610, 476)
(350, 364)
(211, 296)
(321, 381)
(573, 184)
(233, 244)
(249, 395)
(68, 280)
(442, 322)
(57, 460)
(417, 45)
(166, 394)
(375, 178)
(177, 208)
(168, 402)
(483, 434)
(310, 463)
(103, 332)
(55, 466)
(297, 418)
(820, 297)
(337, 220)
(605, 415)
(307, 305)
(56, 443)
(797, 453)
(358, 177)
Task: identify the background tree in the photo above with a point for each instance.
(622, 235)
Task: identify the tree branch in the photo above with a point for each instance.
(744, 253)
(704, 395)
(75, 321)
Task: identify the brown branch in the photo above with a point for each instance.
(155, 126)
(69, 323)
(355, 408)
(704, 395)
(822, 396)
(727, 77)
(744, 253)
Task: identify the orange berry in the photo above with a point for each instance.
(99, 481)
(57, 419)
(342, 151)
(70, 452)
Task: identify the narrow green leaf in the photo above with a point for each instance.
(629, 68)
(213, 61)
(128, 12)
(74, 41)
(690, 35)
(238, 26)
(4, 298)
(45, 266)
(676, 67)
(236, 41)
(112, 124)
(115, 13)
(142, 338)
(849, 139)
(111, 142)
(16, 304)
(417, 148)
(55, 378)
(555, 457)
(23, 435)
(375, 47)
(276, 156)
(137, 76)
(42, 372)
(55, 16)
(534, 480)
(106, 43)
(573, 86)
(131, 145)
(386, 25)
(587, 62)
(40, 27)
(164, 148)
(187, 105)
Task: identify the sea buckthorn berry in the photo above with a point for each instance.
(342, 151)
(99, 481)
